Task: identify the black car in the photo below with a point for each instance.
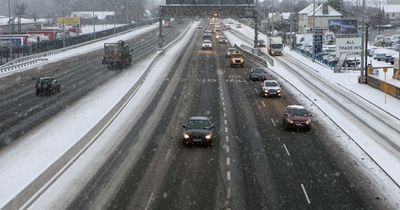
(257, 74)
(198, 130)
(47, 86)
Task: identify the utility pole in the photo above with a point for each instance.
(313, 32)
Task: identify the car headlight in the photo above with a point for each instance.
(278, 91)
(186, 136)
(307, 122)
(208, 136)
(265, 90)
(289, 121)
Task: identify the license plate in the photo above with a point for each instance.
(197, 140)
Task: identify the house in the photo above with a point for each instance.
(26, 24)
(323, 13)
(392, 12)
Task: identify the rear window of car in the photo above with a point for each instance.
(198, 124)
(258, 70)
(297, 112)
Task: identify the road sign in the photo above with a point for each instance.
(348, 46)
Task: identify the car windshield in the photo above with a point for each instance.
(198, 124)
(207, 41)
(231, 49)
(258, 71)
(297, 112)
(271, 84)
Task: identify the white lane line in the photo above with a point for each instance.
(273, 122)
(227, 149)
(148, 202)
(222, 98)
(226, 122)
(166, 157)
(224, 114)
(223, 103)
(228, 161)
(305, 193)
(227, 138)
(228, 175)
(223, 108)
(226, 130)
(287, 151)
(256, 90)
(228, 193)
(263, 103)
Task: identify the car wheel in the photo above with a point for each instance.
(37, 93)
(210, 144)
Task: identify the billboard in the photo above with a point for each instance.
(69, 21)
(212, 2)
(349, 46)
(343, 26)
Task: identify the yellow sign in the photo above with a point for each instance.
(385, 69)
(69, 20)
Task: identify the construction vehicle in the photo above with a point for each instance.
(237, 59)
(117, 55)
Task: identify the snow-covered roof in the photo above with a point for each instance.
(89, 14)
(4, 20)
(319, 11)
(286, 15)
(392, 8)
(306, 10)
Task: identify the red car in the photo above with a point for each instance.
(296, 117)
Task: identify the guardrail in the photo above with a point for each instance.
(27, 196)
(22, 64)
(256, 58)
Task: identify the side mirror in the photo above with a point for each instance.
(285, 114)
(183, 126)
(309, 114)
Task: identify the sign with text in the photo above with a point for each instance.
(343, 26)
(349, 46)
(69, 20)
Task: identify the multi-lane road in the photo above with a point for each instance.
(254, 163)
(21, 110)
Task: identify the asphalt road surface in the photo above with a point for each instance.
(254, 163)
(21, 110)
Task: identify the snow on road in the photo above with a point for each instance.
(376, 147)
(36, 151)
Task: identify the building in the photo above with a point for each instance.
(368, 3)
(26, 25)
(99, 15)
(392, 12)
(323, 13)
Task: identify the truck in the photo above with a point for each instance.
(237, 59)
(118, 55)
(275, 45)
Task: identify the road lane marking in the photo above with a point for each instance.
(305, 193)
(224, 114)
(166, 157)
(226, 122)
(287, 151)
(256, 90)
(222, 98)
(228, 193)
(226, 130)
(228, 175)
(227, 138)
(223, 103)
(273, 122)
(148, 202)
(263, 103)
(228, 161)
(223, 108)
(227, 149)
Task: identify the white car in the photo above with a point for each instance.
(206, 44)
(271, 88)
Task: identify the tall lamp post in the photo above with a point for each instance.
(313, 32)
(63, 21)
(9, 27)
(362, 42)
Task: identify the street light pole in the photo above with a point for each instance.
(362, 42)
(63, 20)
(94, 27)
(9, 27)
(313, 32)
